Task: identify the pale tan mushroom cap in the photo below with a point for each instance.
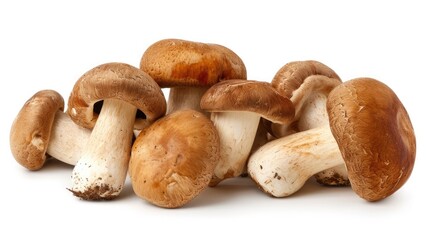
(175, 63)
(119, 81)
(31, 130)
(375, 136)
(250, 96)
(173, 160)
(292, 75)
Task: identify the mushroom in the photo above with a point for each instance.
(369, 131)
(173, 160)
(307, 84)
(189, 69)
(236, 107)
(120, 90)
(41, 128)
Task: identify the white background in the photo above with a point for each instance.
(50, 44)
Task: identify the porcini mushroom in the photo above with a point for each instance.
(189, 69)
(307, 84)
(41, 128)
(173, 160)
(370, 131)
(122, 90)
(236, 107)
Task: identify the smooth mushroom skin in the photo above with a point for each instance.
(41, 128)
(189, 69)
(236, 107)
(369, 129)
(179, 63)
(173, 160)
(308, 84)
(380, 149)
(100, 173)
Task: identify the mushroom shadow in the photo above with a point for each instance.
(312, 187)
(227, 190)
(53, 164)
(127, 192)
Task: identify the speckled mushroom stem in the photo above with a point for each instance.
(67, 139)
(237, 132)
(281, 167)
(181, 98)
(101, 172)
(310, 112)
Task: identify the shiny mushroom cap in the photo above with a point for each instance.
(118, 81)
(375, 136)
(248, 96)
(31, 130)
(175, 63)
(173, 160)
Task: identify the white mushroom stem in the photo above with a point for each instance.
(310, 104)
(67, 139)
(310, 112)
(313, 113)
(281, 167)
(101, 172)
(185, 98)
(237, 132)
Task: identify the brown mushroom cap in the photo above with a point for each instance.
(175, 62)
(250, 96)
(31, 130)
(375, 136)
(119, 81)
(173, 160)
(292, 75)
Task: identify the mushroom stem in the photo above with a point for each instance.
(310, 106)
(281, 167)
(315, 115)
(310, 112)
(102, 169)
(185, 98)
(67, 139)
(313, 111)
(237, 132)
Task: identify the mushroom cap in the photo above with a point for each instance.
(292, 75)
(375, 136)
(173, 160)
(31, 129)
(250, 96)
(176, 63)
(119, 81)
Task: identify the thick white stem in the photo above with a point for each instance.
(181, 98)
(101, 172)
(310, 112)
(281, 167)
(313, 114)
(67, 139)
(237, 132)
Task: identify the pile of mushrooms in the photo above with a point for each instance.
(216, 125)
